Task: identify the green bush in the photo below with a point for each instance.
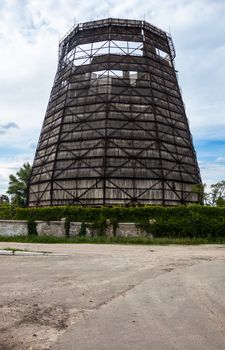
(31, 227)
(194, 221)
(67, 226)
(83, 231)
(7, 212)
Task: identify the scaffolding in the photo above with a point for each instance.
(115, 130)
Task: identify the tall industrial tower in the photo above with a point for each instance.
(115, 130)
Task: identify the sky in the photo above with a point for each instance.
(29, 35)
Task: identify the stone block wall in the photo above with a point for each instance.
(75, 228)
(57, 229)
(51, 228)
(129, 229)
(9, 228)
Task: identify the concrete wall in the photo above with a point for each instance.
(129, 229)
(51, 228)
(75, 228)
(57, 229)
(10, 228)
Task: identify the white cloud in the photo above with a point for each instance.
(212, 172)
(220, 160)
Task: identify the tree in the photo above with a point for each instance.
(216, 197)
(199, 189)
(4, 199)
(18, 186)
(218, 193)
(220, 202)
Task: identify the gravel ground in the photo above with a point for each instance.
(81, 297)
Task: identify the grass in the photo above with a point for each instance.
(13, 250)
(113, 240)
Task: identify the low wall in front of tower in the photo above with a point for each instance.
(10, 228)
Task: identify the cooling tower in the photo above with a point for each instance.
(115, 130)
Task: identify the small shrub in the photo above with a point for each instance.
(114, 223)
(32, 227)
(83, 230)
(67, 226)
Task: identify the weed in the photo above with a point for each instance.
(113, 240)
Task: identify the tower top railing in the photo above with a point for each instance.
(129, 23)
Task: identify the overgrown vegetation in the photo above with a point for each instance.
(31, 227)
(83, 230)
(112, 240)
(67, 226)
(193, 221)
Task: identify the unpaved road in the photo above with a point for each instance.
(81, 297)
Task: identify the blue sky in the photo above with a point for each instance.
(29, 36)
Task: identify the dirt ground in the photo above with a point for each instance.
(81, 297)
